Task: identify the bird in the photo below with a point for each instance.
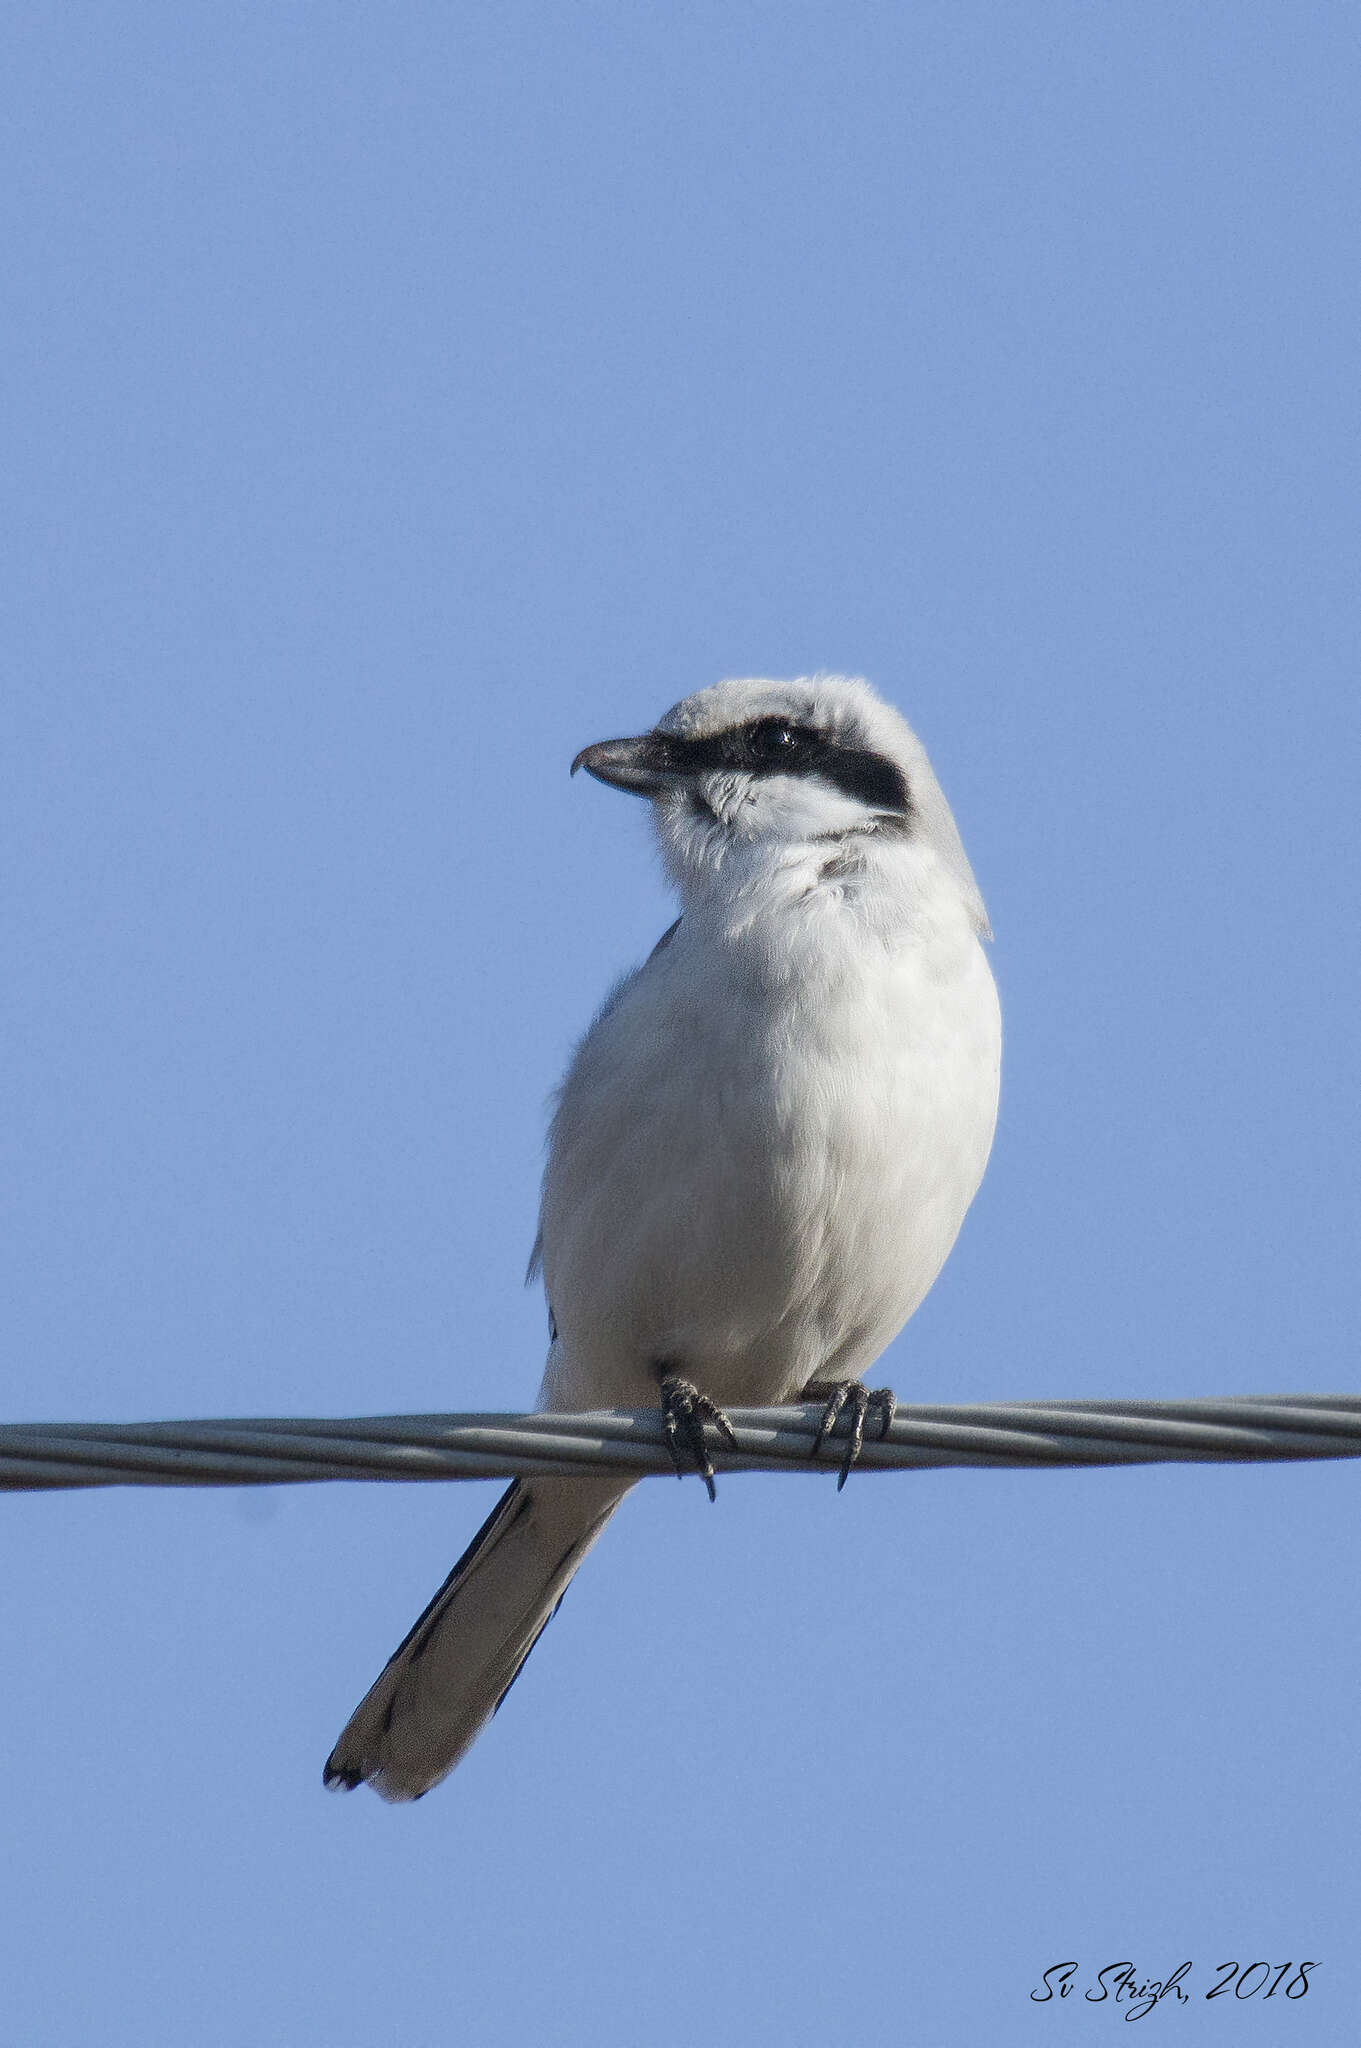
(760, 1156)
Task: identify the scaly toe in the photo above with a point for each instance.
(849, 1395)
(685, 1410)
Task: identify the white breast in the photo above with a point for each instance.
(763, 1153)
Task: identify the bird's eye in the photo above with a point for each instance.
(772, 737)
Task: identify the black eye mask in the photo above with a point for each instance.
(780, 746)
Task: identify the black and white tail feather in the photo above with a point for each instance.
(456, 1664)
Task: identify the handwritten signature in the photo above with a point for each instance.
(1121, 1983)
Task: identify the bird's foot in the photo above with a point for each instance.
(849, 1397)
(684, 1413)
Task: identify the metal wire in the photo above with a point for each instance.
(1238, 1429)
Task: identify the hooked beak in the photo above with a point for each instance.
(643, 766)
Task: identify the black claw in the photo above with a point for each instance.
(842, 1394)
(684, 1413)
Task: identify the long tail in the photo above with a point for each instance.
(454, 1668)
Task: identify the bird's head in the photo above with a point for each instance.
(754, 771)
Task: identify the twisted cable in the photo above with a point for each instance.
(1031, 1434)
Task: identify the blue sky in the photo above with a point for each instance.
(395, 400)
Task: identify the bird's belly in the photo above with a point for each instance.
(770, 1207)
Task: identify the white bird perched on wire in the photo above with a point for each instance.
(761, 1155)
